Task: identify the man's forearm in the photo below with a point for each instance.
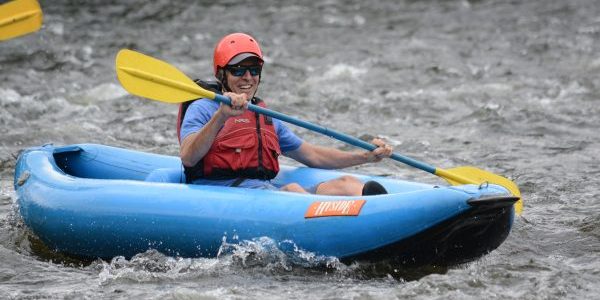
(331, 158)
(196, 145)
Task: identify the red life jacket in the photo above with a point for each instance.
(246, 147)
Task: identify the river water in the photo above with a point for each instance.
(508, 86)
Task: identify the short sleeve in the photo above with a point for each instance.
(196, 116)
(288, 141)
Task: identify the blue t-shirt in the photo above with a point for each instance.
(200, 112)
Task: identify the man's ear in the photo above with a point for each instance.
(221, 78)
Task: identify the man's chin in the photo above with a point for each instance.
(248, 93)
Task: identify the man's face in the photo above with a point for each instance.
(247, 82)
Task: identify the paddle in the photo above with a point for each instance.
(19, 17)
(151, 78)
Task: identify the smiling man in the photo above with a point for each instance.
(231, 146)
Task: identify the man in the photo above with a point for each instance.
(232, 146)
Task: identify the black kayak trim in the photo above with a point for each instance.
(460, 239)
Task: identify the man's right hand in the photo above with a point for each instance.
(239, 104)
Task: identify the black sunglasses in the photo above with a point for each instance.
(239, 71)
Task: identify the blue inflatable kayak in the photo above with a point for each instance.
(93, 201)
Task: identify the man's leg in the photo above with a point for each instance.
(343, 186)
(294, 188)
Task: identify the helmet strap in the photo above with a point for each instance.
(222, 79)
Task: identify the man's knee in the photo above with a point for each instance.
(294, 187)
(344, 186)
(349, 179)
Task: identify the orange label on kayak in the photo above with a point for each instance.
(334, 208)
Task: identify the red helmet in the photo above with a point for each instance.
(232, 45)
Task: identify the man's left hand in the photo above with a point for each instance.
(383, 150)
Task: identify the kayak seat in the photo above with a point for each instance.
(169, 175)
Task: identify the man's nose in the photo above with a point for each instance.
(247, 75)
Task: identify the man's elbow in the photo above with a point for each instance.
(186, 159)
(186, 163)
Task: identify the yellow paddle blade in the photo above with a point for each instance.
(18, 18)
(472, 175)
(154, 79)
